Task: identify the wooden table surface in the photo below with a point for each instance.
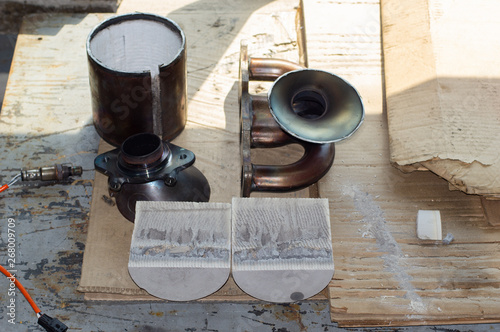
(384, 275)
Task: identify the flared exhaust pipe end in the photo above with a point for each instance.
(313, 108)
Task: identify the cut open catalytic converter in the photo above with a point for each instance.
(137, 73)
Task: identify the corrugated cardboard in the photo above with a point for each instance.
(442, 85)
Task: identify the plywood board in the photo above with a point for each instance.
(384, 274)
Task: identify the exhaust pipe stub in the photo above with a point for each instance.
(145, 168)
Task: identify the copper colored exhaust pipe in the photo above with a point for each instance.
(260, 130)
(266, 133)
(266, 69)
(313, 108)
(314, 164)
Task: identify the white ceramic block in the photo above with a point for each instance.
(282, 247)
(181, 251)
(429, 225)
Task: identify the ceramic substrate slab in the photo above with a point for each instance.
(181, 251)
(282, 247)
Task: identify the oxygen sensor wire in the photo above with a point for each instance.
(22, 289)
(48, 323)
(57, 172)
(11, 182)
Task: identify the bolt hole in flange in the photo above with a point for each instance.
(309, 104)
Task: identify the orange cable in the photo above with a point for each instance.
(12, 278)
(21, 288)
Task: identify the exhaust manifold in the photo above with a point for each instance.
(313, 108)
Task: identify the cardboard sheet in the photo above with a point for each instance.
(212, 131)
(442, 85)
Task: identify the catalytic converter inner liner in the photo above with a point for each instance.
(137, 74)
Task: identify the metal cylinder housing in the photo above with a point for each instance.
(137, 74)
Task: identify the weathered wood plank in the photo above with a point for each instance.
(384, 274)
(40, 125)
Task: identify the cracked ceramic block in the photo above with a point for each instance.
(181, 251)
(282, 247)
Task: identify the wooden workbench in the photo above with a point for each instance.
(384, 274)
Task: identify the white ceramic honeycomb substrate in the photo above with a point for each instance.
(181, 251)
(282, 247)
